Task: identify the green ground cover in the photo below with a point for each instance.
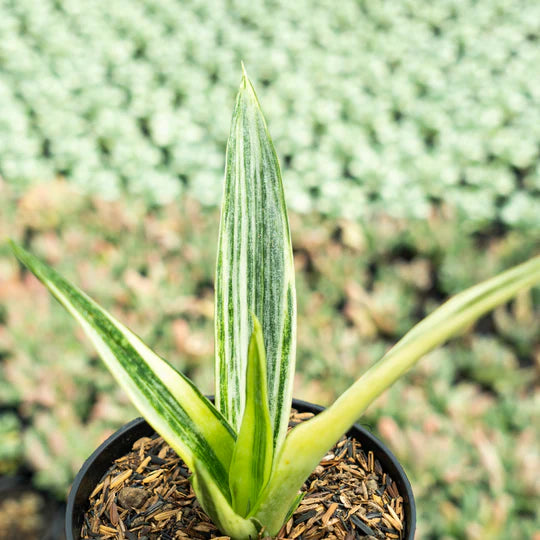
(464, 422)
(396, 105)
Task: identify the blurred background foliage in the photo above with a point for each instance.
(409, 135)
(396, 105)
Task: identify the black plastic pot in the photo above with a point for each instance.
(120, 443)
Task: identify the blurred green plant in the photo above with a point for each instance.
(145, 270)
(400, 107)
(436, 328)
(11, 447)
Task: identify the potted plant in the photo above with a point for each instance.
(246, 468)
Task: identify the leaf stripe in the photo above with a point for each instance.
(255, 270)
(283, 392)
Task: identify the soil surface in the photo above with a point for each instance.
(147, 495)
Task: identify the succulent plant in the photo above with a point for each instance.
(247, 470)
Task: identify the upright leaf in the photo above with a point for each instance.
(170, 402)
(255, 271)
(251, 463)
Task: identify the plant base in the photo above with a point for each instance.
(147, 494)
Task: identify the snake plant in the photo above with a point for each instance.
(247, 470)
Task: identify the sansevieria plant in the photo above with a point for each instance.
(247, 470)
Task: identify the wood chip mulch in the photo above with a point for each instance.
(146, 495)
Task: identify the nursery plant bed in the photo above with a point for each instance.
(135, 486)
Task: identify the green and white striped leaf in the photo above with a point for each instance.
(169, 401)
(251, 463)
(255, 270)
(307, 443)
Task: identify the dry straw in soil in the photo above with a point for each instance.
(147, 495)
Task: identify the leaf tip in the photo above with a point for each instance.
(246, 87)
(15, 247)
(256, 323)
(244, 72)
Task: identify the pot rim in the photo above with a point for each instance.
(95, 460)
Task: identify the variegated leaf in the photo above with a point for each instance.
(169, 401)
(255, 271)
(252, 457)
